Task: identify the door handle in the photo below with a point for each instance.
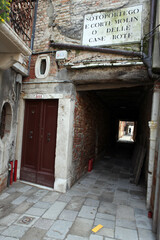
(48, 137)
(31, 134)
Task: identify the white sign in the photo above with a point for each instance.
(113, 27)
(61, 55)
(39, 96)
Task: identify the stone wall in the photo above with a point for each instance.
(10, 86)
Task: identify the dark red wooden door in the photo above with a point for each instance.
(39, 141)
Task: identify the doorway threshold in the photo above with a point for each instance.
(37, 185)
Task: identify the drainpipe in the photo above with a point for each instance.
(151, 39)
(157, 197)
(153, 137)
(33, 34)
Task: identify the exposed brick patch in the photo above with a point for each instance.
(3, 182)
(90, 131)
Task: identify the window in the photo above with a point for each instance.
(5, 121)
(42, 66)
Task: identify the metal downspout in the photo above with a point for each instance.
(150, 47)
(33, 35)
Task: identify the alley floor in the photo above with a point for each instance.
(104, 196)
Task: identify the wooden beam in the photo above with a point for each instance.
(102, 86)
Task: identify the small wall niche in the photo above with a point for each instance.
(5, 120)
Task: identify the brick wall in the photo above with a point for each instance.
(90, 129)
(3, 181)
(62, 20)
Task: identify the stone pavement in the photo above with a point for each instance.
(104, 196)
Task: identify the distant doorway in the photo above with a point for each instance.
(126, 131)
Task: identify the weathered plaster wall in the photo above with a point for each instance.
(9, 92)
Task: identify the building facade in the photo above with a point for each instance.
(91, 67)
(90, 79)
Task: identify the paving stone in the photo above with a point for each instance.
(91, 202)
(8, 238)
(79, 224)
(24, 189)
(75, 203)
(68, 215)
(106, 232)
(34, 234)
(125, 234)
(33, 199)
(43, 223)
(77, 192)
(41, 193)
(145, 234)
(43, 205)
(11, 190)
(65, 198)
(118, 201)
(19, 200)
(50, 197)
(125, 212)
(92, 196)
(35, 211)
(59, 229)
(143, 222)
(87, 212)
(138, 211)
(54, 211)
(74, 237)
(136, 203)
(46, 238)
(106, 238)
(105, 216)
(2, 228)
(30, 192)
(2, 237)
(107, 197)
(104, 223)
(108, 208)
(23, 207)
(4, 195)
(15, 231)
(137, 195)
(126, 223)
(95, 237)
(95, 191)
(37, 196)
(8, 220)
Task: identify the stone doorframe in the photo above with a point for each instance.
(64, 140)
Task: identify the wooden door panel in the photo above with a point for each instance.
(39, 141)
(49, 136)
(30, 141)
